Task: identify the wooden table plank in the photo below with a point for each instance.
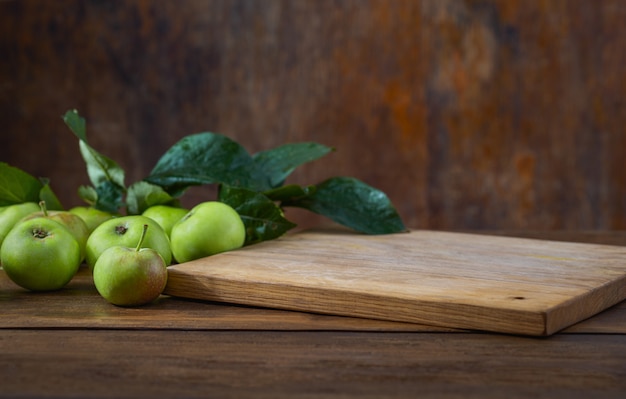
(80, 306)
(275, 364)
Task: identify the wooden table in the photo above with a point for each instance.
(72, 343)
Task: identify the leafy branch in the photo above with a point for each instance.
(254, 185)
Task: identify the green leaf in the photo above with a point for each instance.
(352, 203)
(101, 168)
(206, 158)
(290, 192)
(106, 176)
(264, 220)
(46, 194)
(17, 186)
(88, 194)
(278, 163)
(76, 123)
(110, 197)
(142, 195)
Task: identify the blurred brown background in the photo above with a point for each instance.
(488, 114)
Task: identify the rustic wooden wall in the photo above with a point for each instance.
(468, 114)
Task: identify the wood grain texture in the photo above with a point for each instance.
(502, 284)
(72, 344)
(238, 364)
(468, 114)
(79, 306)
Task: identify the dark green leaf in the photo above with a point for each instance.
(206, 158)
(290, 192)
(279, 162)
(46, 194)
(106, 176)
(110, 197)
(142, 195)
(352, 203)
(76, 123)
(17, 186)
(100, 168)
(264, 220)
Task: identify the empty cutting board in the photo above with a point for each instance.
(501, 284)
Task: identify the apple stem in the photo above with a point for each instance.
(143, 236)
(44, 208)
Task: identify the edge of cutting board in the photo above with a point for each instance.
(197, 280)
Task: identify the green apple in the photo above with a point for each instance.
(91, 216)
(72, 222)
(13, 214)
(40, 254)
(166, 216)
(125, 231)
(127, 276)
(208, 228)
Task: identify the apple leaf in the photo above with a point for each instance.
(110, 197)
(88, 194)
(206, 158)
(278, 163)
(106, 176)
(354, 204)
(264, 220)
(76, 123)
(46, 194)
(142, 195)
(289, 192)
(17, 186)
(100, 168)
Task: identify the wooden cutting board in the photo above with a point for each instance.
(501, 284)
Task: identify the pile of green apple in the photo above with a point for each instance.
(42, 250)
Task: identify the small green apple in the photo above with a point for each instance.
(91, 216)
(208, 228)
(125, 231)
(127, 276)
(166, 216)
(40, 254)
(13, 214)
(72, 222)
